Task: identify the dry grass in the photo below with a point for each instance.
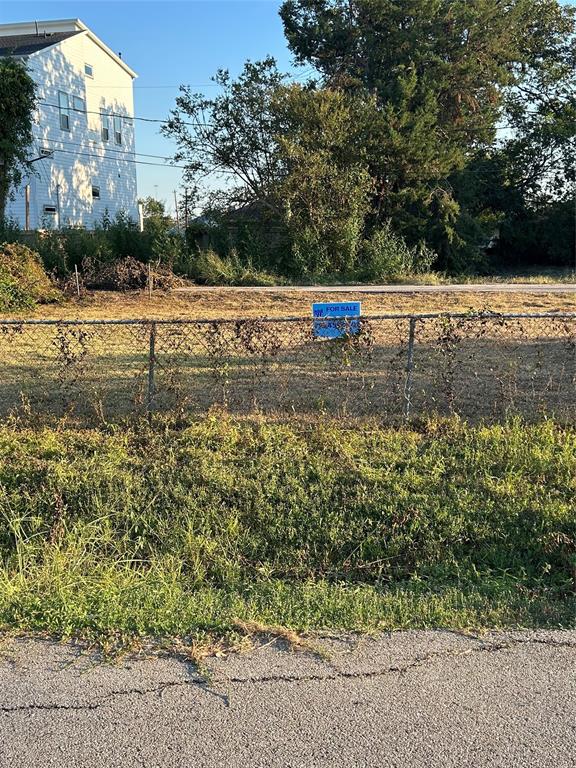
(477, 369)
(261, 635)
(228, 304)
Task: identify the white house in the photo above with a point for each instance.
(83, 126)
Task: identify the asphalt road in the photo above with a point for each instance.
(411, 699)
(460, 288)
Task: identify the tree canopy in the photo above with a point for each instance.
(17, 104)
(439, 121)
(231, 135)
(448, 79)
(289, 152)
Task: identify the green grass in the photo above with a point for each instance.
(182, 533)
(521, 275)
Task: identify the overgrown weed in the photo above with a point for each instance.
(226, 529)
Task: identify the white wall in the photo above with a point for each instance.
(84, 160)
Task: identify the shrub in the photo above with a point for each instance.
(63, 249)
(12, 295)
(386, 256)
(212, 269)
(23, 280)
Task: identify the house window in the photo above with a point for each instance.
(105, 127)
(95, 193)
(89, 70)
(118, 130)
(50, 209)
(79, 105)
(45, 152)
(64, 106)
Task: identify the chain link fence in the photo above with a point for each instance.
(394, 367)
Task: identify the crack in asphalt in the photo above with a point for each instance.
(343, 674)
(48, 707)
(401, 669)
(208, 686)
(102, 700)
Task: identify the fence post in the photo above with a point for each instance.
(151, 370)
(409, 369)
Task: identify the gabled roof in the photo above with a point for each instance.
(23, 45)
(42, 34)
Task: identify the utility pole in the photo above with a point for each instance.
(58, 204)
(186, 208)
(176, 209)
(27, 201)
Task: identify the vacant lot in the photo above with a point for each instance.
(477, 367)
(241, 304)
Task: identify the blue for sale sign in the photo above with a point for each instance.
(334, 320)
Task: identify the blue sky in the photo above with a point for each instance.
(168, 43)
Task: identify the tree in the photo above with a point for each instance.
(164, 243)
(291, 157)
(541, 112)
(231, 136)
(447, 118)
(17, 104)
(524, 187)
(154, 213)
(441, 73)
(326, 188)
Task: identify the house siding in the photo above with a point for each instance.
(81, 158)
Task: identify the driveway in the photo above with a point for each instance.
(425, 699)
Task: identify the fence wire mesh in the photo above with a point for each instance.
(479, 366)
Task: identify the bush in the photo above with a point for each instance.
(386, 256)
(23, 280)
(12, 295)
(112, 241)
(64, 249)
(211, 269)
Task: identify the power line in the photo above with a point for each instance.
(106, 148)
(140, 87)
(120, 159)
(118, 114)
(294, 76)
(102, 112)
(165, 122)
(216, 171)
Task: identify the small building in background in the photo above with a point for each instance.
(83, 127)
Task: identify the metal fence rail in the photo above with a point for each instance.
(480, 366)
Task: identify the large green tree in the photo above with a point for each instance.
(326, 188)
(525, 186)
(17, 103)
(290, 157)
(443, 74)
